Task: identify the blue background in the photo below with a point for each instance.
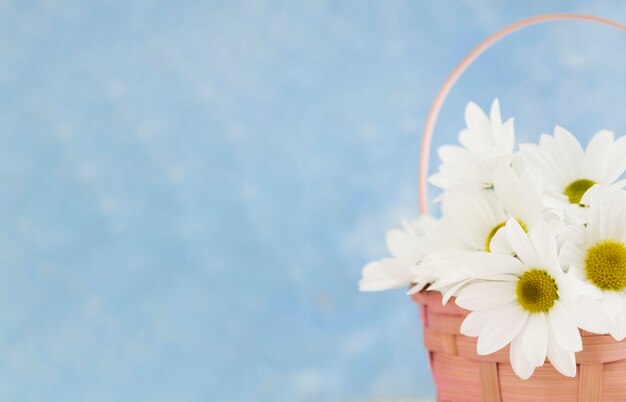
(189, 189)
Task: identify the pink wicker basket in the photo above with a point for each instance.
(463, 376)
(460, 374)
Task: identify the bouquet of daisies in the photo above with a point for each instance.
(531, 241)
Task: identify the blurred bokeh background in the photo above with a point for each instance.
(188, 189)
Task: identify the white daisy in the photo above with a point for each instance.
(407, 248)
(528, 303)
(521, 194)
(596, 253)
(485, 141)
(472, 222)
(569, 171)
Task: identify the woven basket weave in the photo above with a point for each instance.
(461, 375)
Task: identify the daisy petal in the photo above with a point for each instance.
(535, 339)
(505, 324)
(486, 295)
(563, 361)
(402, 246)
(521, 244)
(418, 287)
(591, 317)
(545, 244)
(564, 328)
(499, 244)
(521, 366)
(614, 304)
(485, 265)
(474, 322)
(596, 155)
(384, 275)
(452, 290)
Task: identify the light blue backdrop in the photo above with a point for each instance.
(188, 189)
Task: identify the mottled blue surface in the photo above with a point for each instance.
(189, 189)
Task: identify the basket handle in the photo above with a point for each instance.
(435, 108)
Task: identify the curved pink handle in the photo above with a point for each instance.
(435, 108)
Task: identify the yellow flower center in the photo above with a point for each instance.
(495, 229)
(537, 291)
(605, 264)
(576, 189)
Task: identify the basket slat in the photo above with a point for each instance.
(457, 379)
(590, 383)
(445, 323)
(545, 385)
(601, 349)
(490, 381)
(613, 381)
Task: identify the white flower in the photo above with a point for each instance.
(472, 221)
(527, 303)
(596, 253)
(521, 194)
(569, 171)
(407, 248)
(485, 141)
